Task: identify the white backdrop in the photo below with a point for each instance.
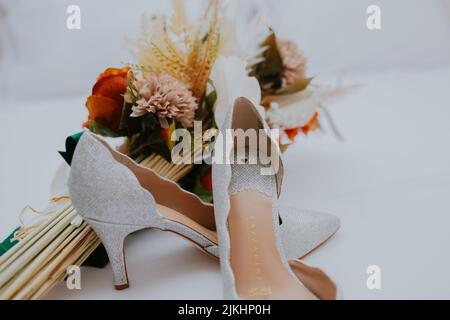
(42, 58)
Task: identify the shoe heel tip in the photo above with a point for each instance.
(122, 287)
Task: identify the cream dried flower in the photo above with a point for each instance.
(294, 62)
(167, 98)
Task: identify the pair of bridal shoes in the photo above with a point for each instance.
(259, 241)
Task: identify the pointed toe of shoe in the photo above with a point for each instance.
(303, 231)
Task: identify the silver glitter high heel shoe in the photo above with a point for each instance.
(253, 262)
(119, 197)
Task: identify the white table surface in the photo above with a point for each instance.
(389, 183)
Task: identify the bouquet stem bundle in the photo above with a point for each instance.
(40, 260)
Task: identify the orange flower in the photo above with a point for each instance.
(312, 125)
(206, 180)
(105, 104)
(292, 133)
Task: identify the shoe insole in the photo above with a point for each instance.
(313, 278)
(175, 216)
(259, 270)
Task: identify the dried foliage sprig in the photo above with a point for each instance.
(181, 49)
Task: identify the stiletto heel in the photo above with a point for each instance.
(113, 238)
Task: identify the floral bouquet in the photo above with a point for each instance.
(192, 71)
(186, 76)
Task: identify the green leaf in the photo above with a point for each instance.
(296, 87)
(102, 130)
(71, 145)
(171, 144)
(8, 243)
(192, 183)
(273, 63)
(149, 139)
(129, 124)
(205, 112)
(211, 100)
(270, 70)
(98, 259)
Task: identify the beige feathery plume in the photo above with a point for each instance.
(179, 19)
(183, 50)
